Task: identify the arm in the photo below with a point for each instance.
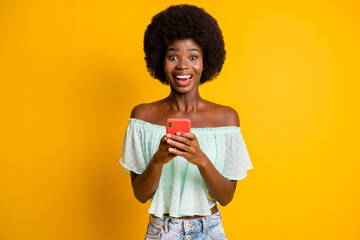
(145, 184)
(220, 187)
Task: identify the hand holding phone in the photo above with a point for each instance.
(186, 144)
(174, 125)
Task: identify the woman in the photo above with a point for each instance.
(184, 175)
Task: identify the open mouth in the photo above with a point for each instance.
(183, 80)
(183, 77)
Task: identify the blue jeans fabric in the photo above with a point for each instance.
(168, 228)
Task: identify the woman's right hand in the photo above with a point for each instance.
(163, 156)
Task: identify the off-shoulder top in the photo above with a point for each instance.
(181, 190)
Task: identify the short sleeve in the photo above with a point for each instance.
(132, 157)
(236, 161)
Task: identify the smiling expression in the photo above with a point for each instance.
(183, 65)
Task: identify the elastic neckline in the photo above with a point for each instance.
(144, 123)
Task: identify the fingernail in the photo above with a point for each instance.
(168, 135)
(177, 133)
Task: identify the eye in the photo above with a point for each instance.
(193, 57)
(173, 57)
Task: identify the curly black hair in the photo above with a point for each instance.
(184, 22)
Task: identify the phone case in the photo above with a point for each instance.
(174, 125)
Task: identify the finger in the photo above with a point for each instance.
(178, 152)
(178, 145)
(163, 139)
(187, 135)
(181, 139)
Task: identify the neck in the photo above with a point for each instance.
(184, 102)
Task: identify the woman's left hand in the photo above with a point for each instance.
(186, 145)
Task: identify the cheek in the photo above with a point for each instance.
(167, 68)
(198, 67)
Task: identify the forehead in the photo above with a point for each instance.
(184, 45)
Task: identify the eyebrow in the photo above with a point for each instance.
(190, 49)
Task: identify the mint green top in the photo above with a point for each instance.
(181, 190)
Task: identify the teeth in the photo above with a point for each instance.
(183, 76)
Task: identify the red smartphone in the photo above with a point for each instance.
(174, 125)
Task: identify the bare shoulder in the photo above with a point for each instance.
(225, 115)
(146, 111)
(139, 110)
(229, 116)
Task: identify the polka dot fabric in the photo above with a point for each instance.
(181, 190)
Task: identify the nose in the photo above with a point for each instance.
(182, 64)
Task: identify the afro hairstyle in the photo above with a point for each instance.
(184, 22)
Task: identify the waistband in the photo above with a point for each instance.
(187, 225)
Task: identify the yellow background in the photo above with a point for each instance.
(71, 71)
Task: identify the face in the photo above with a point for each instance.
(183, 65)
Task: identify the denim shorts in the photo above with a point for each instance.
(169, 228)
